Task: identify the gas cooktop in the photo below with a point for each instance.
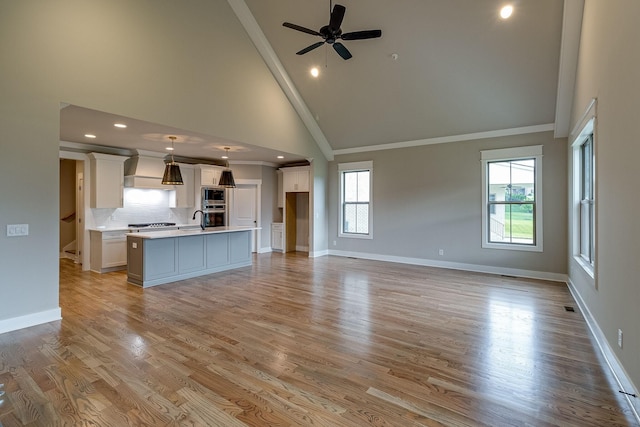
(152, 225)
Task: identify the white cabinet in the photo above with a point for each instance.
(184, 195)
(208, 175)
(108, 250)
(277, 237)
(295, 179)
(107, 180)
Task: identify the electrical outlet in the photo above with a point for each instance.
(14, 230)
(334, 243)
(620, 338)
(440, 252)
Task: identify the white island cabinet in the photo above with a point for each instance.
(162, 257)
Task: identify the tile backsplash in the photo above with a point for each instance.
(142, 206)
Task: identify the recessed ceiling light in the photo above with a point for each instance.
(120, 125)
(225, 157)
(280, 157)
(315, 72)
(170, 148)
(89, 135)
(506, 11)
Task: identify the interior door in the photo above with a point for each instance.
(244, 209)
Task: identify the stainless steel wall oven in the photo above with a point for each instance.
(214, 207)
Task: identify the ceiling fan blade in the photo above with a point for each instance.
(361, 35)
(336, 17)
(309, 48)
(342, 51)
(299, 28)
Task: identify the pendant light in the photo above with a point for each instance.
(172, 175)
(226, 179)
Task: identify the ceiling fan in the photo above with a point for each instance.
(332, 33)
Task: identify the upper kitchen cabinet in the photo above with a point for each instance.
(184, 195)
(295, 179)
(207, 175)
(107, 180)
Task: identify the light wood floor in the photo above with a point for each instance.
(297, 341)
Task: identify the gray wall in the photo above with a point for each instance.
(187, 65)
(608, 69)
(429, 198)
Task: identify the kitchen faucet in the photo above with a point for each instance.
(201, 218)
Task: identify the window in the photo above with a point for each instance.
(583, 194)
(587, 216)
(583, 214)
(355, 199)
(511, 198)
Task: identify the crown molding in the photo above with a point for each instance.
(569, 49)
(445, 139)
(277, 69)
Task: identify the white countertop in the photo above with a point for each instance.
(136, 229)
(189, 232)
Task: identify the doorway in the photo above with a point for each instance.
(296, 222)
(68, 246)
(73, 235)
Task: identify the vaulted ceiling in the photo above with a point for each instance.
(460, 68)
(442, 69)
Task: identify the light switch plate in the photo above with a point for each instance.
(14, 230)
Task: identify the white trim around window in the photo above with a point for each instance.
(363, 200)
(584, 130)
(533, 152)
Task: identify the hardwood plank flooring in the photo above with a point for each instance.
(297, 341)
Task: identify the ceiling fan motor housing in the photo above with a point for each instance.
(332, 32)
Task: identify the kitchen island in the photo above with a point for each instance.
(159, 257)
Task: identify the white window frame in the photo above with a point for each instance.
(586, 127)
(355, 167)
(510, 154)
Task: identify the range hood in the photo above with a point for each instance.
(145, 170)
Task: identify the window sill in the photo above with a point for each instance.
(511, 247)
(588, 268)
(355, 236)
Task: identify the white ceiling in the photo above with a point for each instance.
(460, 70)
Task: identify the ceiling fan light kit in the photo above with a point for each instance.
(332, 33)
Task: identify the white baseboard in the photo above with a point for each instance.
(28, 320)
(618, 371)
(265, 250)
(316, 254)
(543, 275)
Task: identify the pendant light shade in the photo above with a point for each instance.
(172, 175)
(226, 178)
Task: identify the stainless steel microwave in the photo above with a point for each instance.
(213, 196)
